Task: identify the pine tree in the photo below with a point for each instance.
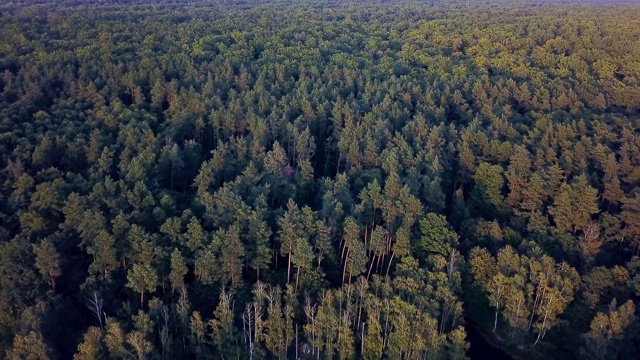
(223, 331)
(142, 278)
(257, 249)
(91, 346)
(606, 330)
(231, 256)
(104, 256)
(48, 261)
(178, 270)
(289, 232)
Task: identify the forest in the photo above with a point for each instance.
(320, 179)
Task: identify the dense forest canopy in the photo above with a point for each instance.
(281, 180)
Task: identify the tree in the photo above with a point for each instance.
(223, 332)
(356, 261)
(532, 205)
(612, 191)
(178, 270)
(276, 339)
(590, 243)
(606, 330)
(28, 347)
(457, 344)
(195, 234)
(436, 236)
(231, 256)
(562, 209)
(48, 261)
(310, 328)
(486, 195)
(328, 323)
(91, 346)
(574, 205)
(95, 304)
(350, 239)
(115, 339)
(141, 346)
(289, 232)
(517, 175)
(372, 342)
(142, 278)
(103, 251)
(520, 287)
(630, 217)
(302, 256)
(258, 234)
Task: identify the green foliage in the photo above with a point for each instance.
(437, 238)
(141, 279)
(91, 345)
(28, 347)
(364, 180)
(607, 329)
(48, 261)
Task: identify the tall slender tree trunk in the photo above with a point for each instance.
(371, 266)
(366, 228)
(535, 304)
(388, 243)
(518, 309)
(289, 268)
(495, 321)
(275, 256)
(362, 340)
(390, 262)
(344, 270)
(544, 321)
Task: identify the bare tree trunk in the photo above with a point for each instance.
(52, 280)
(385, 340)
(390, 262)
(344, 270)
(362, 340)
(518, 309)
(289, 268)
(388, 243)
(495, 322)
(371, 266)
(544, 321)
(366, 228)
(95, 305)
(535, 304)
(275, 256)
